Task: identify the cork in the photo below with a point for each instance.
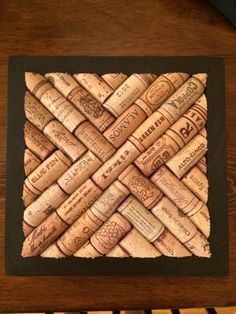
(114, 79)
(44, 205)
(188, 156)
(79, 172)
(183, 98)
(183, 198)
(139, 217)
(79, 201)
(199, 245)
(37, 141)
(203, 132)
(48, 172)
(197, 182)
(52, 252)
(110, 233)
(28, 196)
(202, 77)
(156, 155)
(37, 84)
(45, 234)
(202, 165)
(94, 141)
(140, 186)
(79, 233)
(35, 112)
(82, 100)
(87, 251)
(137, 246)
(117, 251)
(125, 125)
(161, 89)
(128, 92)
(31, 161)
(150, 130)
(108, 202)
(95, 85)
(26, 229)
(64, 140)
(169, 246)
(110, 171)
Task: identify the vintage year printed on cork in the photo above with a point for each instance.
(115, 165)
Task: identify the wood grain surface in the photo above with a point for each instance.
(161, 28)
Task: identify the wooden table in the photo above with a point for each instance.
(161, 28)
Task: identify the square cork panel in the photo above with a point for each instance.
(152, 209)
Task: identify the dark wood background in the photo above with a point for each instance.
(119, 27)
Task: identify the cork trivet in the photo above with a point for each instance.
(161, 89)
(80, 171)
(87, 251)
(197, 182)
(31, 161)
(52, 252)
(95, 141)
(95, 85)
(125, 125)
(35, 112)
(82, 100)
(202, 165)
(44, 205)
(114, 79)
(137, 246)
(47, 173)
(128, 92)
(110, 233)
(37, 84)
(39, 239)
(79, 201)
(189, 155)
(117, 251)
(64, 140)
(141, 218)
(140, 186)
(37, 141)
(110, 170)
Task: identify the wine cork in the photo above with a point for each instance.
(82, 100)
(125, 125)
(141, 218)
(150, 130)
(45, 204)
(64, 140)
(137, 246)
(43, 235)
(47, 173)
(36, 113)
(79, 233)
(28, 196)
(117, 251)
(199, 245)
(188, 156)
(52, 252)
(31, 161)
(203, 132)
(108, 202)
(161, 89)
(94, 141)
(197, 182)
(169, 246)
(79, 172)
(114, 79)
(95, 85)
(26, 229)
(87, 251)
(202, 77)
(79, 201)
(183, 198)
(183, 98)
(37, 84)
(110, 233)
(140, 186)
(37, 142)
(202, 165)
(110, 171)
(128, 92)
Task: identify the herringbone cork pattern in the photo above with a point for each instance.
(115, 165)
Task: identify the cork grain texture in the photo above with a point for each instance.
(115, 168)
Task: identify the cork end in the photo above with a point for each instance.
(33, 79)
(201, 77)
(202, 102)
(52, 252)
(27, 229)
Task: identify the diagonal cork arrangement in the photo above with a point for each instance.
(115, 165)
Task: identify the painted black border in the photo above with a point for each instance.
(216, 265)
